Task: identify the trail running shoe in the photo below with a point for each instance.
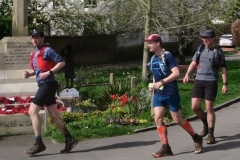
(37, 148)
(198, 144)
(163, 152)
(211, 139)
(70, 144)
(204, 131)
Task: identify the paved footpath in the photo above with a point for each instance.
(139, 146)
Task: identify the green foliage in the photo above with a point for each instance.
(86, 103)
(69, 117)
(231, 10)
(81, 75)
(93, 123)
(228, 53)
(237, 48)
(5, 18)
(119, 88)
(61, 81)
(141, 91)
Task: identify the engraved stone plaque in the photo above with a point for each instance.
(14, 60)
(15, 55)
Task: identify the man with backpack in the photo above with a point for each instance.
(208, 58)
(165, 72)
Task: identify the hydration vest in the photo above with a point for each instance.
(163, 64)
(42, 64)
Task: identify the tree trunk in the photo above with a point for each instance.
(181, 52)
(147, 33)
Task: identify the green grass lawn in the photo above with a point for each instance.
(185, 90)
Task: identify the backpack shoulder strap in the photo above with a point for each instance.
(42, 50)
(164, 61)
(216, 55)
(199, 51)
(150, 64)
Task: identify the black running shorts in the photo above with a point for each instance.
(205, 89)
(46, 94)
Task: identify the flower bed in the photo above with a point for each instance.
(19, 105)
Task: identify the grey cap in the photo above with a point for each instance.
(208, 33)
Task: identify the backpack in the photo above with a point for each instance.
(216, 55)
(164, 67)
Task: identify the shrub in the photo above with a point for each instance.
(69, 117)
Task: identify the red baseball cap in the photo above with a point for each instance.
(154, 37)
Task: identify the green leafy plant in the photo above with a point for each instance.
(237, 48)
(86, 103)
(119, 88)
(128, 104)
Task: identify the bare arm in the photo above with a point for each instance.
(58, 67)
(191, 68)
(224, 77)
(27, 74)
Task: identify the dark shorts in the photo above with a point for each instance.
(46, 94)
(172, 102)
(205, 89)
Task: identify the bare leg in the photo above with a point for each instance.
(211, 117)
(70, 141)
(177, 117)
(52, 110)
(196, 107)
(159, 115)
(36, 122)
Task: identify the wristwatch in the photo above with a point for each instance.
(162, 81)
(225, 83)
(51, 72)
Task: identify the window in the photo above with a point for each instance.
(90, 3)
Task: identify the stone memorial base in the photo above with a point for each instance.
(19, 119)
(12, 83)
